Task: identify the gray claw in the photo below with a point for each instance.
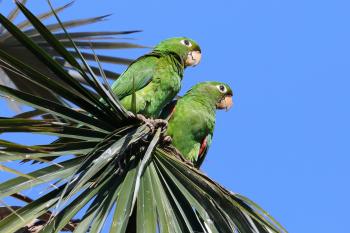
(161, 123)
(167, 139)
(148, 122)
(141, 117)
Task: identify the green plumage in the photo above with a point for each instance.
(155, 78)
(192, 123)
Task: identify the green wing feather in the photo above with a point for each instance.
(142, 71)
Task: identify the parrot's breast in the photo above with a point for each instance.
(159, 94)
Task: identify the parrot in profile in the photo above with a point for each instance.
(155, 78)
(192, 119)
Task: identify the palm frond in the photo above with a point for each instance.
(14, 47)
(122, 168)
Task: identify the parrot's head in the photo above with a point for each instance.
(218, 93)
(187, 49)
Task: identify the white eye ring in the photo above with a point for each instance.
(222, 88)
(186, 43)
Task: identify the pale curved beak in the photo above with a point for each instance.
(193, 58)
(225, 103)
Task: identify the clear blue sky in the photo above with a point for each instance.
(285, 144)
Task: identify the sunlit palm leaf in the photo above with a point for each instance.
(121, 164)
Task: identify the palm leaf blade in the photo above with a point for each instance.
(15, 48)
(44, 16)
(146, 206)
(47, 174)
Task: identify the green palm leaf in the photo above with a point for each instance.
(122, 168)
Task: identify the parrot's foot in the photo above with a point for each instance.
(148, 122)
(153, 123)
(141, 117)
(161, 123)
(167, 139)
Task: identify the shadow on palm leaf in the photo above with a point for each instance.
(123, 165)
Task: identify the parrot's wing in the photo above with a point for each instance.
(136, 77)
(204, 149)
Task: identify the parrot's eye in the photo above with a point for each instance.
(186, 42)
(222, 88)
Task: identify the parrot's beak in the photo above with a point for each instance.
(225, 103)
(193, 58)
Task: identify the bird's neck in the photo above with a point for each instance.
(177, 63)
(207, 103)
(175, 59)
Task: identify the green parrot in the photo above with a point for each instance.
(192, 119)
(155, 78)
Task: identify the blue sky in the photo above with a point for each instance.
(285, 144)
